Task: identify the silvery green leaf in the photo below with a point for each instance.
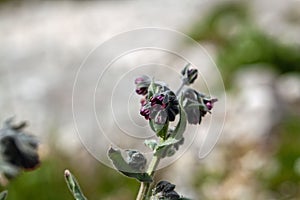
(168, 142)
(160, 129)
(152, 89)
(181, 126)
(136, 160)
(125, 168)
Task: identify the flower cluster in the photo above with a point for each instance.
(160, 105)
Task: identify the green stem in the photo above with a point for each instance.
(180, 88)
(145, 188)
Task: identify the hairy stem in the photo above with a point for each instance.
(180, 88)
(145, 188)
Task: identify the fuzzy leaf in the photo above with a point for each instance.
(168, 142)
(181, 126)
(122, 166)
(175, 137)
(151, 144)
(74, 186)
(152, 89)
(161, 130)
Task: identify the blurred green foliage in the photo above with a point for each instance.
(47, 182)
(285, 182)
(240, 42)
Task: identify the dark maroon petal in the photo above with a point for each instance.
(157, 100)
(142, 91)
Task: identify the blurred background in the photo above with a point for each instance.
(255, 44)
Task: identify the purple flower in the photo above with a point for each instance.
(161, 107)
(142, 84)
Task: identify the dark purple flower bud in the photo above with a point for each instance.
(142, 84)
(157, 100)
(145, 112)
(142, 91)
(189, 75)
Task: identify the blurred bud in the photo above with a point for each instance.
(189, 75)
(17, 149)
(165, 190)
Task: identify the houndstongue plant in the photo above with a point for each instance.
(160, 106)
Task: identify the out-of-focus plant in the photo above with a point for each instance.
(3, 195)
(160, 106)
(241, 43)
(18, 151)
(73, 186)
